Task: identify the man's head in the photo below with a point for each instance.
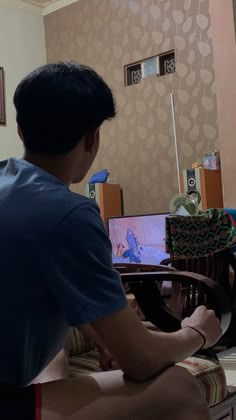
(60, 108)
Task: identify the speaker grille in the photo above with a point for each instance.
(92, 192)
(196, 195)
(192, 184)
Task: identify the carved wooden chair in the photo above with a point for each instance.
(166, 295)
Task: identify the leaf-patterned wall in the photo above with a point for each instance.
(137, 146)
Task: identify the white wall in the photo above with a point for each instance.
(22, 48)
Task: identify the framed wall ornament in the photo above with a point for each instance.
(234, 7)
(2, 98)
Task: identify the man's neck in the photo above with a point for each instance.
(56, 166)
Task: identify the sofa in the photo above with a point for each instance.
(83, 359)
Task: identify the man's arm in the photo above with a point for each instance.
(141, 353)
(105, 357)
(92, 335)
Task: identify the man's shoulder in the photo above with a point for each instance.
(77, 199)
(63, 204)
(79, 208)
(49, 200)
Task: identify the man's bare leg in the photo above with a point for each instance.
(173, 395)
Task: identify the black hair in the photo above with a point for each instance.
(57, 104)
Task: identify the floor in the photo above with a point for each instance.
(228, 361)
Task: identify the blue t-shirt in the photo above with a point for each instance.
(55, 268)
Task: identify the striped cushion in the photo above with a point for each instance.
(211, 377)
(86, 363)
(209, 373)
(77, 343)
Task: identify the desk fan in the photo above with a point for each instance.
(183, 205)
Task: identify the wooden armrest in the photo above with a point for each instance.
(141, 268)
(146, 286)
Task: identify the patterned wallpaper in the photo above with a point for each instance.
(137, 147)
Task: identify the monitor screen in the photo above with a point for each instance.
(138, 239)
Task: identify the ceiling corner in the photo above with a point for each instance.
(41, 7)
(55, 5)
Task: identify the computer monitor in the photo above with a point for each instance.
(138, 239)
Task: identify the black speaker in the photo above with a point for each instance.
(204, 185)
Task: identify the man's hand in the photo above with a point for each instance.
(206, 322)
(106, 360)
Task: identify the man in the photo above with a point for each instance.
(56, 272)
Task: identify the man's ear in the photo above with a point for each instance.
(91, 140)
(19, 132)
